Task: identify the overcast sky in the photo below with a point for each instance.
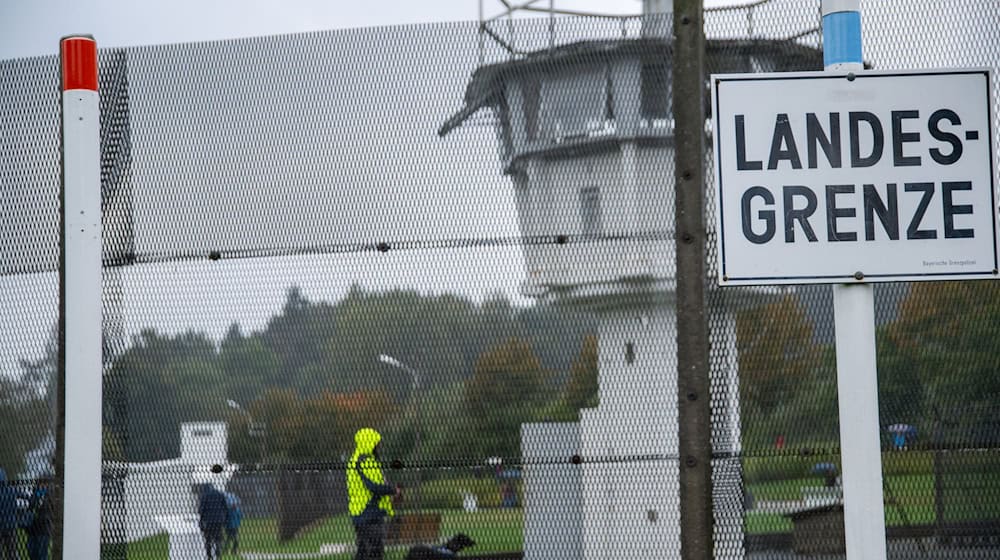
(183, 295)
(33, 27)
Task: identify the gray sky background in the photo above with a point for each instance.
(177, 296)
(33, 27)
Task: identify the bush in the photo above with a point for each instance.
(784, 467)
(449, 493)
(894, 463)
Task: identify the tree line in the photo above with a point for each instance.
(299, 388)
(307, 380)
(938, 365)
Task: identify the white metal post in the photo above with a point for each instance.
(81, 305)
(857, 393)
(854, 318)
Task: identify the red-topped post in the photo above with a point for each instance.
(80, 299)
(79, 63)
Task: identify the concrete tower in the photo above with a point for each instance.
(586, 136)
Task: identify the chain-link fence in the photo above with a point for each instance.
(461, 236)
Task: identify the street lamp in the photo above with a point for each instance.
(254, 429)
(415, 378)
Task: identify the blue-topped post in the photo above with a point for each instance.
(842, 35)
(854, 317)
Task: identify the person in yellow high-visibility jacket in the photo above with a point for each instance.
(369, 497)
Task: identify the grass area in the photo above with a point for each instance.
(969, 491)
(448, 493)
(494, 530)
(152, 548)
(909, 499)
(756, 523)
(782, 490)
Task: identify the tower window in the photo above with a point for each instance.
(590, 211)
(654, 91)
(531, 93)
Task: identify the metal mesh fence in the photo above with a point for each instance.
(461, 236)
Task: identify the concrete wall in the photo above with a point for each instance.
(632, 183)
(143, 492)
(204, 443)
(552, 491)
(631, 495)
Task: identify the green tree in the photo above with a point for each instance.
(248, 366)
(314, 351)
(581, 389)
(556, 332)
(156, 384)
(24, 413)
(298, 337)
(428, 333)
(944, 342)
(297, 428)
(508, 387)
(809, 417)
(900, 390)
(281, 411)
(777, 359)
(444, 421)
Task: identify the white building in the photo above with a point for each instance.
(142, 499)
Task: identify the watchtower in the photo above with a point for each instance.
(586, 136)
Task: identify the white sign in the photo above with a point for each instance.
(874, 177)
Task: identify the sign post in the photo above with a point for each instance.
(854, 325)
(80, 287)
(847, 177)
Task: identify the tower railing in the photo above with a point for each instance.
(499, 27)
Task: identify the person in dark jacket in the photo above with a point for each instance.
(369, 497)
(234, 516)
(211, 519)
(8, 519)
(40, 525)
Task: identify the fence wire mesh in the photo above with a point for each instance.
(461, 235)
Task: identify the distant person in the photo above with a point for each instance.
(211, 519)
(39, 520)
(234, 517)
(8, 519)
(830, 478)
(369, 497)
(508, 495)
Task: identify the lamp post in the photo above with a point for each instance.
(254, 429)
(415, 378)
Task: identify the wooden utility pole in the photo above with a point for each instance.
(694, 418)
